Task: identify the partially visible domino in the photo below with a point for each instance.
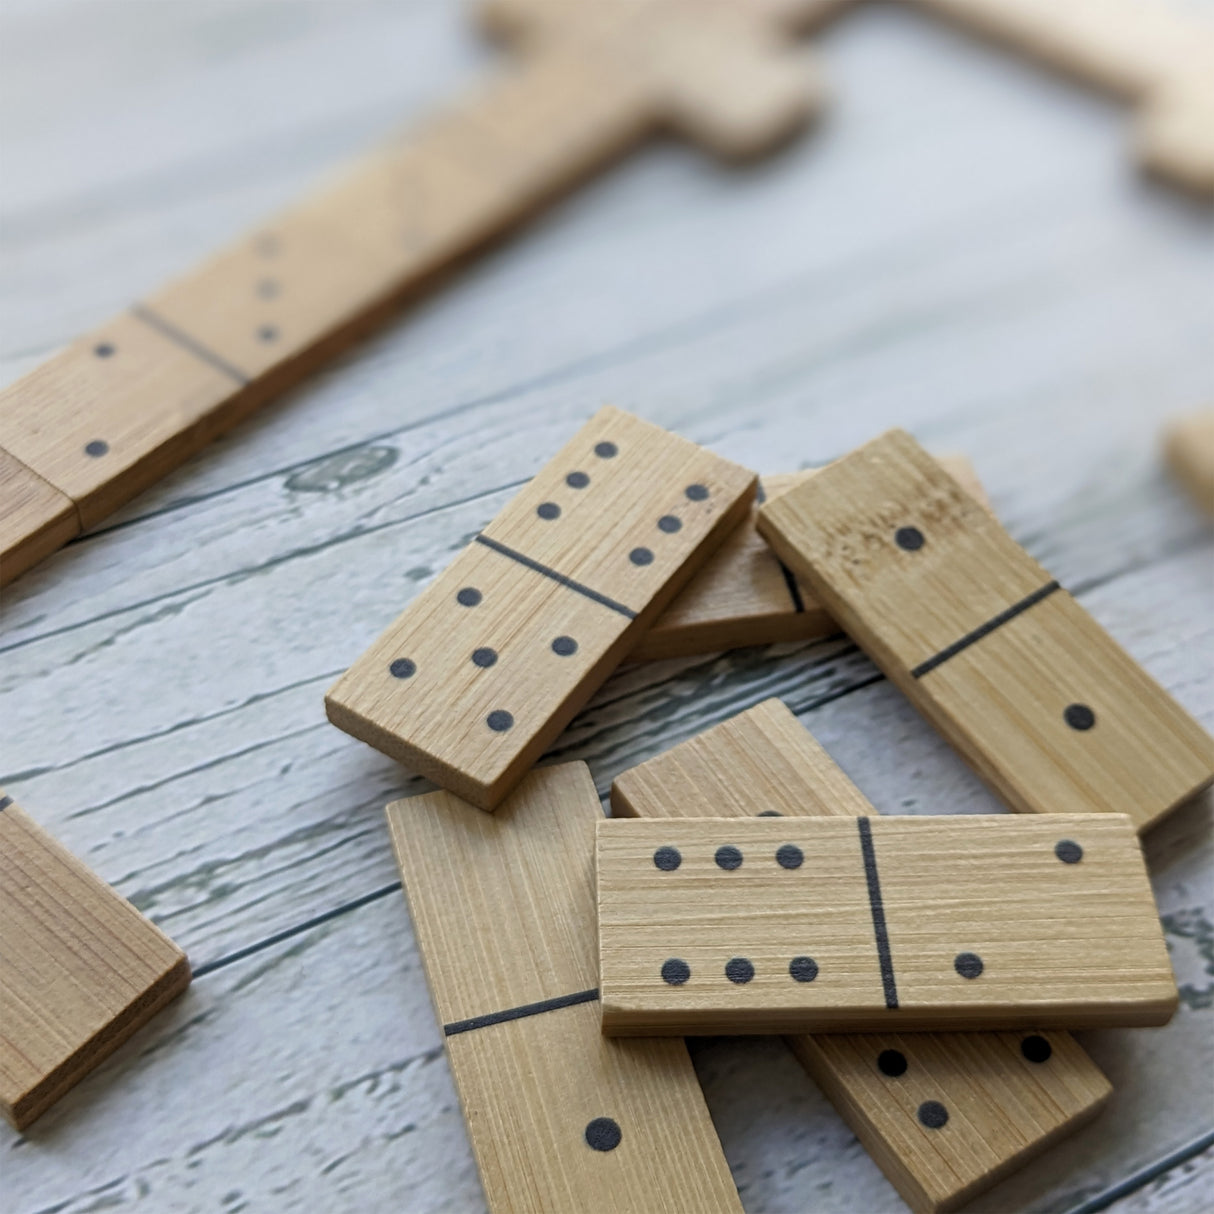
(80, 969)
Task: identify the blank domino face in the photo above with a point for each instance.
(1043, 703)
(945, 1115)
(877, 924)
(560, 1117)
(80, 969)
(480, 673)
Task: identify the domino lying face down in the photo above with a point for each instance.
(774, 925)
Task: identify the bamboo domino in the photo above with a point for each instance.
(1158, 56)
(1189, 448)
(80, 969)
(877, 924)
(1039, 699)
(744, 595)
(486, 667)
(119, 408)
(945, 1115)
(560, 1118)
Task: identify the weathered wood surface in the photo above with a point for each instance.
(961, 249)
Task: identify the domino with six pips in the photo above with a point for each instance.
(848, 928)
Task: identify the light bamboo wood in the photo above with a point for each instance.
(1157, 56)
(877, 924)
(1040, 699)
(745, 596)
(1189, 448)
(1006, 1096)
(126, 403)
(560, 1117)
(485, 668)
(35, 519)
(80, 969)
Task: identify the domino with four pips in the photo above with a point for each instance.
(945, 1115)
(560, 1117)
(1040, 700)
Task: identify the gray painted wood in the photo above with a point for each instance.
(961, 248)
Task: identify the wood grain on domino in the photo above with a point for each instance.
(80, 968)
(37, 518)
(777, 925)
(945, 1115)
(560, 1117)
(123, 405)
(745, 595)
(491, 661)
(1032, 691)
(1189, 448)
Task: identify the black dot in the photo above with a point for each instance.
(909, 539)
(484, 657)
(728, 857)
(933, 1114)
(789, 856)
(891, 1063)
(499, 720)
(267, 288)
(769, 813)
(402, 668)
(577, 480)
(103, 349)
(739, 970)
(803, 969)
(96, 448)
(1036, 1049)
(606, 450)
(696, 493)
(268, 244)
(268, 333)
(669, 524)
(603, 1134)
(641, 556)
(469, 596)
(968, 965)
(564, 646)
(675, 972)
(1079, 716)
(667, 859)
(1068, 851)
(548, 510)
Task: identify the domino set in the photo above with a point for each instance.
(924, 968)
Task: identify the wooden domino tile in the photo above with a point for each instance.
(745, 595)
(1158, 56)
(875, 924)
(560, 1117)
(80, 969)
(1189, 448)
(1032, 691)
(489, 663)
(945, 1115)
(116, 410)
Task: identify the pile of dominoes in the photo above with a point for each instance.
(925, 969)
